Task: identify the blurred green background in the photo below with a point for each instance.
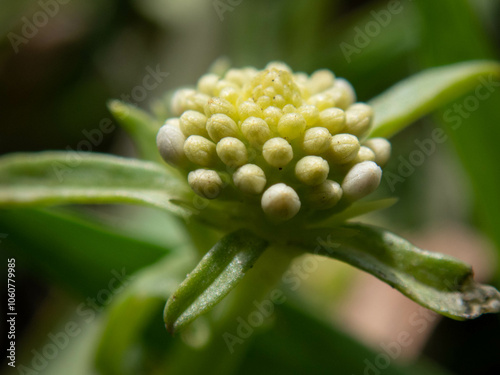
(57, 77)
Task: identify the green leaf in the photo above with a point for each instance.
(72, 251)
(436, 281)
(140, 126)
(51, 178)
(131, 312)
(474, 133)
(425, 92)
(220, 270)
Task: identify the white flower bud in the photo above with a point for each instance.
(320, 80)
(325, 195)
(256, 131)
(289, 108)
(175, 122)
(316, 141)
(291, 125)
(232, 152)
(278, 65)
(272, 116)
(200, 151)
(188, 99)
(264, 101)
(219, 105)
(237, 76)
(342, 93)
(358, 119)
(230, 94)
(224, 84)
(280, 202)
(193, 123)
(382, 149)
(343, 148)
(310, 114)
(277, 152)
(333, 119)
(322, 101)
(220, 126)
(361, 180)
(249, 109)
(207, 83)
(206, 183)
(312, 170)
(364, 154)
(250, 179)
(170, 142)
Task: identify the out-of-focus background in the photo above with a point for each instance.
(62, 60)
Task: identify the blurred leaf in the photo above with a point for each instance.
(474, 132)
(220, 270)
(128, 316)
(425, 92)
(51, 178)
(288, 349)
(75, 252)
(436, 281)
(140, 126)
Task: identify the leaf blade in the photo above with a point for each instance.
(219, 271)
(397, 107)
(436, 281)
(50, 178)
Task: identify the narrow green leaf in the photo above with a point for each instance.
(219, 271)
(131, 312)
(140, 126)
(73, 251)
(425, 92)
(439, 282)
(51, 178)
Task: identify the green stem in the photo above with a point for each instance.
(227, 346)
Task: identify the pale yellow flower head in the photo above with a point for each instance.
(293, 141)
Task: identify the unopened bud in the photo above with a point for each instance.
(359, 118)
(170, 142)
(256, 131)
(200, 151)
(280, 202)
(316, 141)
(382, 149)
(193, 123)
(343, 148)
(361, 180)
(220, 126)
(250, 179)
(312, 170)
(325, 195)
(291, 125)
(232, 152)
(277, 152)
(206, 183)
(333, 119)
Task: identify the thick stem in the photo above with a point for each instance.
(229, 340)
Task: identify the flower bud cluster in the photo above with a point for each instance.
(286, 139)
